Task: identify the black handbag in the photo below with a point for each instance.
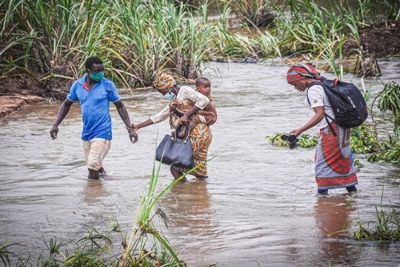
(176, 151)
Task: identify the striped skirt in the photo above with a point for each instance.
(333, 161)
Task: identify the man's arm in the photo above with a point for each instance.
(123, 113)
(62, 112)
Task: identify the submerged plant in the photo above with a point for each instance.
(363, 139)
(385, 228)
(306, 140)
(5, 253)
(143, 225)
(136, 249)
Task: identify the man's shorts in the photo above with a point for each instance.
(95, 151)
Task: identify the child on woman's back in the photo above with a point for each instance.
(208, 115)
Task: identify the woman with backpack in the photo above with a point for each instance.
(333, 160)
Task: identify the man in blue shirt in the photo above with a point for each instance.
(94, 93)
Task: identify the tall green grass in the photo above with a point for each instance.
(46, 40)
(134, 38)
(256, 13)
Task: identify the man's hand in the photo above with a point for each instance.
(133, 136)
(54, 132)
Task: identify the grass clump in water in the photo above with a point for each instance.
(385, 228)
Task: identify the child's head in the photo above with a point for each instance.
(203, 85)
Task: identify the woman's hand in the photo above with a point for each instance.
(296, 132)
(173, 104)
(135, 127)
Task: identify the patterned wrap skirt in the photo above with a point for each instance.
(201, 137)
(334, 166)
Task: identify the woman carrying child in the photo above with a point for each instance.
(187, 105)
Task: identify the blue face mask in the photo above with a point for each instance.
(97, 77)
(170, 95)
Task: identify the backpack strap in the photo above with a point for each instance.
(326, 115)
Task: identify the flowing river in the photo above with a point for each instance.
(258, 207)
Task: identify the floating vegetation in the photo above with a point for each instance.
(385, 228)
(304, 140)
(362, 140)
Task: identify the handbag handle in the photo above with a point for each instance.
(187, 130)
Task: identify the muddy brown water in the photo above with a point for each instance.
(258, 208)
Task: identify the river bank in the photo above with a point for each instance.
(11, 103)
(376, 40)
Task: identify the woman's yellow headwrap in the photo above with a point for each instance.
(163, 81)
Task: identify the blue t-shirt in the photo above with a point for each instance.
(95, 107)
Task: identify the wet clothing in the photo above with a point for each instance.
(95, 151)
(95, 107)
(201, 138)
(333, 162)
(201, 135)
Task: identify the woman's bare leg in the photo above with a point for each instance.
(176, 174)
(93, 174)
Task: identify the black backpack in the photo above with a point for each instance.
(347, 103)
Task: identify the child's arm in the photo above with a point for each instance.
(192, 124)
(196, 118)
(208, 115)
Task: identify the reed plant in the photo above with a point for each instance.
(318, 34)
(137, 249)
(134, 38)
(5, 253)
(47, 40)
(388, 150)
(385, 228)
(327, 29)
(143, 224)
(254, 13)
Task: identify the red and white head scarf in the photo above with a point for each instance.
(301, 71)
